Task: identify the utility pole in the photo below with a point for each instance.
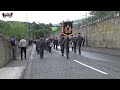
(27, 25)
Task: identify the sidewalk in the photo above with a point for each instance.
(15, 68)
(102, 50)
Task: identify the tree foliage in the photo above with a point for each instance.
(94, 15)
(19, 29)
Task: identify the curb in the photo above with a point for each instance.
(102, 52)
(24, 67)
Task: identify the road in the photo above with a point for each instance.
(88, 65)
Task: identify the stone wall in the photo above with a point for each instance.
(5, 51)
(102, 33)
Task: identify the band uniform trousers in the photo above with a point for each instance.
(62, 49)
(67, 51)
(56, 47)
(79, 49)
(54, 44)
(23, 49)
(74, 47)
(41, 52)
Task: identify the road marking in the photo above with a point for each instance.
(85, 64)
(90, 67)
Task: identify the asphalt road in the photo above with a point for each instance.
(88, 65)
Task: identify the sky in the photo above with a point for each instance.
(46, 17)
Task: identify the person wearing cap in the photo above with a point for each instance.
(72, 41)
(37, 48)
(67, 40)
(83, 40)
(56, 43)
(62, 44)
(41, 44)
(79, 42)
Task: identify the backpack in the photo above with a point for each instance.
(13, 42)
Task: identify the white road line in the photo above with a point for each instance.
(90, 67)
(85, 64)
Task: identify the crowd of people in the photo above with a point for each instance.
(64, 41)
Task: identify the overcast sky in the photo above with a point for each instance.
(46, 17)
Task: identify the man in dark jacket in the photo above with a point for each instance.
(83, 40)
(62, 43)
(72, 39)
(56, 43)
(67, 40)
(79, 42)
(37, 48)
(48, 44)
(74, 43)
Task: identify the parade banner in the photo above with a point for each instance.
(67, 27)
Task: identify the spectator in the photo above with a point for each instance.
(23, 45)
(13, 44)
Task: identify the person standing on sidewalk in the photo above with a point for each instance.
(23, 45)
(79, 42)
(13, 44)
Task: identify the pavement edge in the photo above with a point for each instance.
(24, 67)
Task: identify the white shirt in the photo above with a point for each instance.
(23, 43)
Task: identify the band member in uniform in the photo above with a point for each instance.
(56, 43)
(83, 40)
(79, 42)
(62, 43)
(67, 40)
(41, 43)
(37, 47)
(74, 43)
(49, 41)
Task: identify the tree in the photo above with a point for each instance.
(50, 25)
